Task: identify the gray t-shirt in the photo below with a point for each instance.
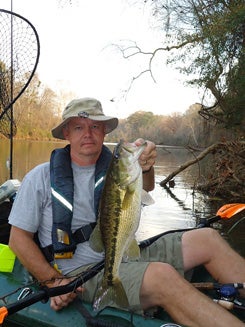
(32, 210)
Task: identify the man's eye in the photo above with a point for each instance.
(77, 128)
(95, 126)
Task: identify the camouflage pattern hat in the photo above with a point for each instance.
(84, 108)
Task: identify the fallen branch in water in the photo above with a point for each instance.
(191, 162)
(227, 169)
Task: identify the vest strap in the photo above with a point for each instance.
(80, 235)
(48, 252)
(83, 234)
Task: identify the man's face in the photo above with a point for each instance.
(86, 137)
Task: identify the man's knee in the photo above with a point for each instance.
(210, 232)
(159, 280)
(160, 269)
(205, 236)
(156, 275)
(211, 237)
(199, 246)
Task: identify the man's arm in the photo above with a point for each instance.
(29, 254)
(149, 180)
(146, 161)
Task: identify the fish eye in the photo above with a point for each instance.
(116, 153)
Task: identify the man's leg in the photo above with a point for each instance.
(207, 247)
(163, 286)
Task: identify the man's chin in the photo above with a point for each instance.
(89, 149)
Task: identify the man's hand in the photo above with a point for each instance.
(61, 301)
(148, 156)
(30, 255)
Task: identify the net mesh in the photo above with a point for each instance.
(19, 54)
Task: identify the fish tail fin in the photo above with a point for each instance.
(106, 295)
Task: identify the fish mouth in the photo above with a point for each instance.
(118, 149)
(131, 148)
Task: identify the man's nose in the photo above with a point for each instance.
(88, 130)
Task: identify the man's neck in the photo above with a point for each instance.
(84, 160)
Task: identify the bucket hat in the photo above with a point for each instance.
(84, 108)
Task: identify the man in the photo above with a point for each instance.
(157, 278)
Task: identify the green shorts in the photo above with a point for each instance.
(166, 249)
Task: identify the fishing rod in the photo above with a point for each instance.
(226, 293)
(227, 211)
(45, 292)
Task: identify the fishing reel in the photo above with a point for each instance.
(227, 292)
(228, 296)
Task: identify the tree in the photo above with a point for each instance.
(206, 41)
(139, 118)
(36, 110)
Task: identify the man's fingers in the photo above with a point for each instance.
(62, 301)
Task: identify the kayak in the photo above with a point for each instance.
(24, 303)
(41, 315)
(19, 285)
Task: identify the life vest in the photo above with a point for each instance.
(62, 192)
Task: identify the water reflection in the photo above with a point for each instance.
(27, 154)
(171, 210)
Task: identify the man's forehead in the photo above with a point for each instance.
(87, 121)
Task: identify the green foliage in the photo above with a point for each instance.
(206, 40)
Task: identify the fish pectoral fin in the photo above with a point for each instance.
(146, 198)
(108, 295)
(95, 240)
(132, 252)
(127, 199)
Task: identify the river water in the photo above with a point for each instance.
(173, 208)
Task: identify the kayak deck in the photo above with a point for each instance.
(41, 315)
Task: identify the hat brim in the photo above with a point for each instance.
(110, 124)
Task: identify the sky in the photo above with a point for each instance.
(77, 55)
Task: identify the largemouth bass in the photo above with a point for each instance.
(118, 221)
